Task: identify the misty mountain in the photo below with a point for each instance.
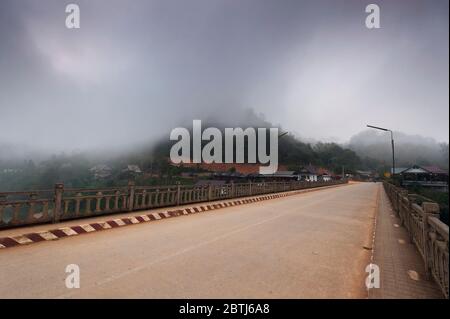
(409, 149)
(367, 150)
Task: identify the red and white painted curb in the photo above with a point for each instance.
(6, 242)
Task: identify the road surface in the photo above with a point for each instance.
(303, 246)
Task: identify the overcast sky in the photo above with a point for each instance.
(137, 68)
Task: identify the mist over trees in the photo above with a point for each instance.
(409, 149)
(24, 167)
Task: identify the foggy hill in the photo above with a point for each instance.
(373, 148)
(409, 149)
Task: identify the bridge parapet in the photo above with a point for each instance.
(429, 234)
(54, 205)
(28, 207)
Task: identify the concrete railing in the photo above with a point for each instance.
(426, 231)
(46, 206)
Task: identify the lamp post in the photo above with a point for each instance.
(392, 143)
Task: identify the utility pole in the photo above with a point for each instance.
(393, 154)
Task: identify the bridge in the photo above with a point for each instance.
(267, 240)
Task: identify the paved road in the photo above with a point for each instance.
(302, 246)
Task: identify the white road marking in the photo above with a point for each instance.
(48, 235)
(88, 228)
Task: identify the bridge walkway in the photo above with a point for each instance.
(401, 266)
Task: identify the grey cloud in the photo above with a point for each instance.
(138, 68)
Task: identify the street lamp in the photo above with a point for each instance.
(282, 134)
(392, 142)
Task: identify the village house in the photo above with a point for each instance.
(279, 176)
(424, 176)
(365, 176)
(131, 170)
(101, 171)
(245, 171)
(286, 175)
(324, 174)
(308, 173)
(11, 170)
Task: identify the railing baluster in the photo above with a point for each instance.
(426, 231)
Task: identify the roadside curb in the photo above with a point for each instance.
(58, 233)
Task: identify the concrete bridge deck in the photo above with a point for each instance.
(304, 246)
